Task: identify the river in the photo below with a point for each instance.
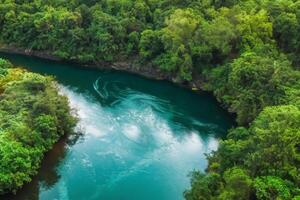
(137, 139)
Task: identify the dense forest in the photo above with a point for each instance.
(245, 51)
(33, 117)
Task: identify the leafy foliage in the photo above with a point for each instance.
(246, 53)
(33, 117)
(252, 82)
(268, 151)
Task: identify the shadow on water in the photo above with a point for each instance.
(47, 175)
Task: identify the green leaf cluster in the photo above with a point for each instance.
(33, 116)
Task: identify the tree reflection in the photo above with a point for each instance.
(47, 175)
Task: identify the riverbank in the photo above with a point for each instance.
(129, 66)
(34, 116)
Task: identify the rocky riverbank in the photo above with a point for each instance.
(129, 65)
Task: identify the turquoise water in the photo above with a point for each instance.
(136, 139)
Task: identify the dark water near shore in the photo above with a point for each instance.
(137, 138)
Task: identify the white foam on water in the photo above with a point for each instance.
(132, 132)
(212, 145)
(87, 111)
(192, 143)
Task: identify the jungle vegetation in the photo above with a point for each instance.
(33, 116)
(245, 51)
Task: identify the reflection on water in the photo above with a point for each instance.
(47, 175)
(140, 138)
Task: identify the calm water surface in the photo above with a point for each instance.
(138, 139)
